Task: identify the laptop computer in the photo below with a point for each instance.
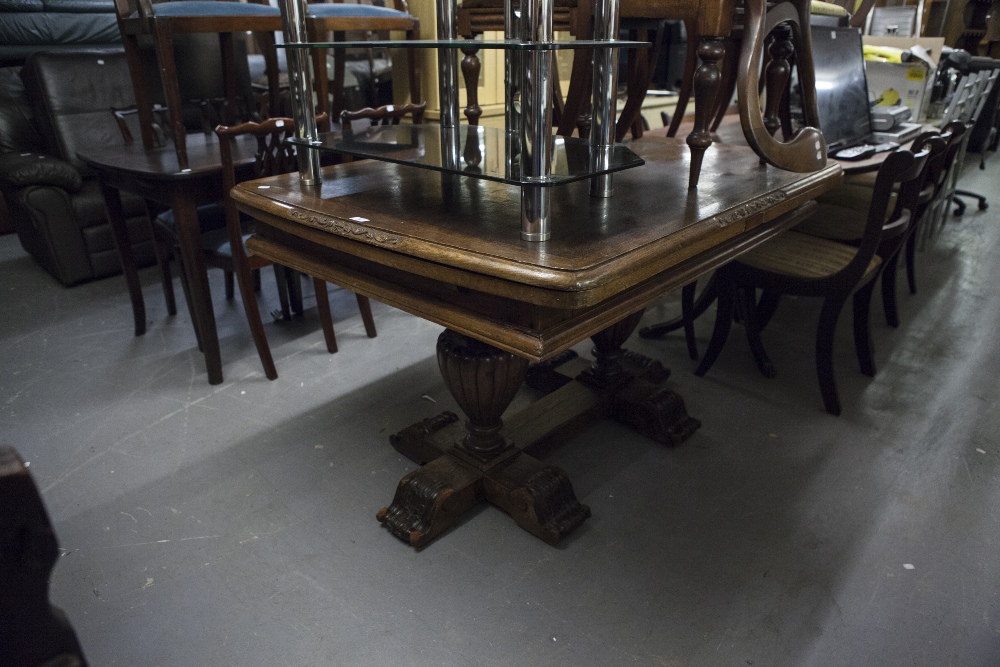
(842, 94)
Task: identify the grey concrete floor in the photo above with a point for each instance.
(235, 524)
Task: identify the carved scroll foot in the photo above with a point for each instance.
(430, 499)
(656, 412)
(538, 497)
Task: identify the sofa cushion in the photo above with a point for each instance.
(80, 6)
(41, 29)
(21, 6)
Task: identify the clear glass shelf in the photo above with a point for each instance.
(470, 150)
(512, 44)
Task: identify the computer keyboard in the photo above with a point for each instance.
(863, 151)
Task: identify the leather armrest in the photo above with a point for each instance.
(18, 170)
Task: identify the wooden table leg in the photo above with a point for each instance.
(488, 460)
(119, 230)
(189, 235)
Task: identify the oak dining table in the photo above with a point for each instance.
(448, 250)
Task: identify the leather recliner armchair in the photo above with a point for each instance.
(59, 103)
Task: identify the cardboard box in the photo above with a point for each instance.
(906, 83)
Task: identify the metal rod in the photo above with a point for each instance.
(536, 119)
(300, 79)
(447, 65)
(602, 137)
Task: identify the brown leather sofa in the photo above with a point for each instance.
(57, 104)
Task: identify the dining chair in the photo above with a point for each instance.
(274, 156)
(840, 216)
(161, 21)
(336, 18)
(805, 265)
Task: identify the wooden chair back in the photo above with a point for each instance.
(389, 114)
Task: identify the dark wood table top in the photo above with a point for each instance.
(449, 250)
(161, 163)
(598, 246)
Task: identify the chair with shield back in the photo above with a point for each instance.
(805, 265)
(274, 155)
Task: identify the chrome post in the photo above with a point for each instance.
(536, 120)
(602, 134)
(447, 65)
(513, 65)
(300, 79)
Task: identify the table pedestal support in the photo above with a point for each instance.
(488, 460)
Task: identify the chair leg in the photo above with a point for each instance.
(824, 352)
(163, 256)
(701, 304)
(911, 260)
(295, 291)
(766, 308)
(366, 315)
(252, 311)
(747, 303)
(889, 304)
(230, 285)
(690, 65)
(707, 81)
(723, 323)
(687, 315)
(281, 278)
(325, 318)
(187, 296)
(862, 327)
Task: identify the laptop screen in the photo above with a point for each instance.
(841, 86)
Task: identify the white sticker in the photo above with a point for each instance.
(907, 566)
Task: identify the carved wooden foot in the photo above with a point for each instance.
(538, 497)
(430, 499)
(707, 83)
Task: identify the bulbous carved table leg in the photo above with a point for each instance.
(488, 459)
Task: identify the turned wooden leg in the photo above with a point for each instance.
(777, 74)
(707, 82)
(471, 67)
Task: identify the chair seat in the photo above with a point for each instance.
(210, 217)
(341, 10)
(838, 223)
(827, 9)
(179, 8)
(803, 256)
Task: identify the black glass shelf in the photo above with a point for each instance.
(470, 150)
(512, 44)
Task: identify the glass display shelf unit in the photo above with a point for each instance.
(511, 44)
(476, 152)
